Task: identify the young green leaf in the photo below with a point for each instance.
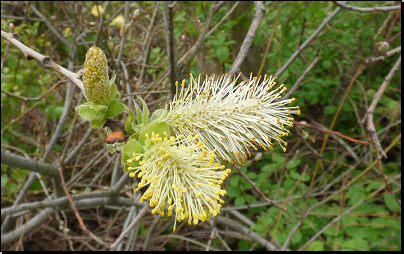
(138, 113)
(157, 128)
(146, 111)
(132, 146)
(158, 115)
(95, 123)
(114, 91)
(91, 111)
(115, 107)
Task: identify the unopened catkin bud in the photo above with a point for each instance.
(95, 76)
(136, 13)
(383, 46)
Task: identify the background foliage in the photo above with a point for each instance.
(346, 41)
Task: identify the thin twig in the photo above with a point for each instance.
(369, 113)
(191, 53)
(100, 25)
(171, 48)
(121, 47)
(308, 145)
(141, 213)
(82, 225)
(147, 42)
(384, 56)
(373, 10)
(329, 131)
(245, 47)
(294, 87)
(36, 98)
(45, 60)
(278, 14)
(246, 231)
(262, 194)
(222, 20)
(307, 42)
(49, 25)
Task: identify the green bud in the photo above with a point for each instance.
(95, 76)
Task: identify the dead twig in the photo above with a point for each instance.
(36, 98)
(132, 224)
(245, 47)
(45, 60)
(294, 87)
(171, 47)
(371, 59)
(308, 145)
(278, 14)
(369, 113)
(100, 25)
(307, 42)
(374, 10)
(82, 226)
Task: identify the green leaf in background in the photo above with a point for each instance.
(294, 175)
(265, 220)
(293, 164)
(115, 107)
(329, 110)
(235, 180)
(11, 188)
(358, 232)
(233, 192)
(297, 237)
(239, 201)
(58, 112)
(157, 128)
(278, 159)
(91, 110)
(391, 203)
(354, 245)
(327, 64)
(222, 54)
(4, 180)
(316, 245)
(246, 185)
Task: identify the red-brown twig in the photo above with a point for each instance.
(393, 23)
(332, 132)
(82, 226)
